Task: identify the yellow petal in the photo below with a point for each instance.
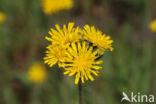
(66, 72)
(70, 26)
(90, 76)
(77, 78)
(98, 62)
(96, 67)
(49, 39)
(72, 73)
(82, 78)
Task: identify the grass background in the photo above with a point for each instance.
(131, 67)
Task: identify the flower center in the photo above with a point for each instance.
(81, 61)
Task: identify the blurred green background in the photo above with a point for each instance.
(131, 67)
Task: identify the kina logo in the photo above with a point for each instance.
(137, 97)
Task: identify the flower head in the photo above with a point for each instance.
(54, 6)
(2, 17)
(55, 54)
(37, 73)
(153, 26)
(98, 39)
(64, 36)
(81, 62)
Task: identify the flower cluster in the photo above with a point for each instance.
(54, 6)
(77, 50)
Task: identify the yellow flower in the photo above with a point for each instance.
(70, 50)
(81, 61)
(2, 17)
(64, 36)
(55, 54)
(98, 39)
(37, 73)
(153, 26)
(54, 6)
